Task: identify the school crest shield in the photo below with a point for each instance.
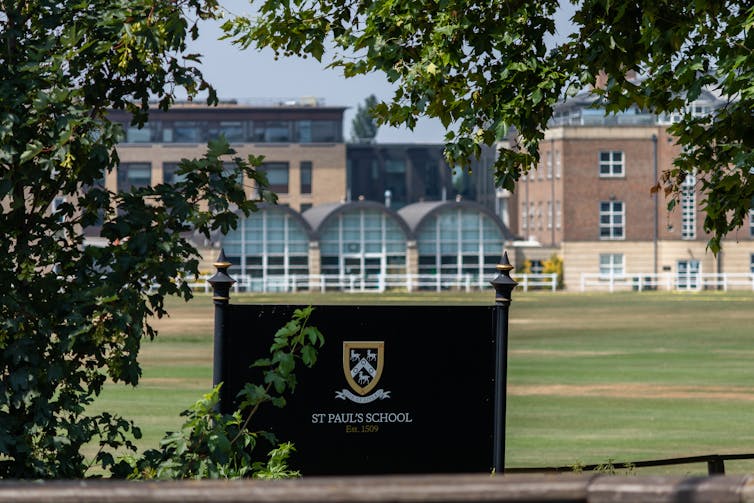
(362, 364)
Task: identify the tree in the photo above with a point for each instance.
(72, 315)
(485, 67)
(364, 125)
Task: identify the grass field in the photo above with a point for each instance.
(592, 377)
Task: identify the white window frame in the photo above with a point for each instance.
(688, 207)
(532, 216)
(557, 164)
(548, 164)
(616, 230)
(558, 214)
(614, 166)
(612, 265)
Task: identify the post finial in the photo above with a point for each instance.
(220, 281)
(503, 283)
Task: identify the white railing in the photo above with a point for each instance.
(374, 283)
(691, 281)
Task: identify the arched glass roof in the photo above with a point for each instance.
(359, 238)
(456, 238)
(272, 242)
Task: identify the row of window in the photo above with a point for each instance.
(532, 218)
(365, 242)
(139, 174)
(610, 163)
(612, 215)
(242, 131)
(552, 166)
(613, 265)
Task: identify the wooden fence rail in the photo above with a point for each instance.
(393, 489)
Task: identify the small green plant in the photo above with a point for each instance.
(215, 445)
(609, 468)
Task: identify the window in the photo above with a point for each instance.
(232, 130)
(325, 131)
(557, 214)
(611, 265)
(306, 177)
(524, 219)
(612, 220)
(277, 131)
(532, 221)
(549, 214)
(277, 175)
(304, 131)
(751, 223)
(549, 165)
(169, 173)
(687, 277)
(187, 132)
(139, 134)
(271, 131)
(611, 163)
(557, 164)
(688, 207)
(134, 175)
(56, 207)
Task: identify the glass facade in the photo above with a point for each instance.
(459, 241)
(268, 246)
(240, 131)
(366, 242)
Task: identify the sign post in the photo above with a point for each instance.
(221, 284)
(503, 285)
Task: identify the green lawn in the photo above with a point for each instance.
(592, 377)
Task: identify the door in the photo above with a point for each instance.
(687, 276)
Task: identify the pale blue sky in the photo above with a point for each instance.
(252, 74)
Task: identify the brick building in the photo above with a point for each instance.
(590, 202)
(302, 142)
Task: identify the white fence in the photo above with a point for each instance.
(667, 281)
(375, 283)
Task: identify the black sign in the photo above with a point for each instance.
(396, 389)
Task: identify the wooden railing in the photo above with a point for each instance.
(393, 489)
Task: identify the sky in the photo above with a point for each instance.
(255, 75)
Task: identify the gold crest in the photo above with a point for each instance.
(362, 364)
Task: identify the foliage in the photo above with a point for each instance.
(73, 315)
(211, 444)
(554, 265)
(525, 267)
(607, 468)
(485, 67)
(364, 125)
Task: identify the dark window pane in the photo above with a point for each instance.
(306, 177)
